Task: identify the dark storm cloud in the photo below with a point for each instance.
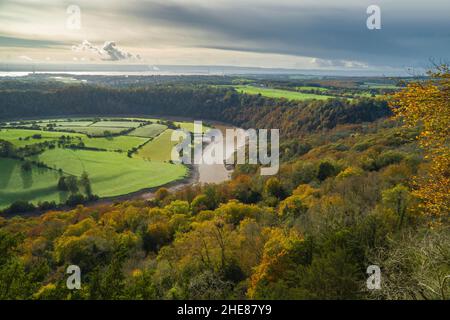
(411, 33)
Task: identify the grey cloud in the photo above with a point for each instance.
(117, 54)
(335, 33)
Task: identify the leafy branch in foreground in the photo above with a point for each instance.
(428, 104)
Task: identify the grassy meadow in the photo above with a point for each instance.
(122, 143)
(159, 149)
(39, 184)
(92, 131)
(112, 173)
(24, 137)
(277, 93)
(112, 169)
(148, 131)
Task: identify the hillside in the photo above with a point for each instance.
(352, 191)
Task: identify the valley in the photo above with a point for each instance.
(120, 157)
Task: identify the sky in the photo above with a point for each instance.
(300, 34)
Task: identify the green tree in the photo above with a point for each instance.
(274, 188)
(397, 200)
(62, 185)
(326, 170)
(86, 184)
(72, 184)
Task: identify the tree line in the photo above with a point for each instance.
(198, 102)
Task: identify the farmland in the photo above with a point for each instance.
(309, 88)
(158, 149)
(371, 85)
(119, 156)
(24, 137)
(148, 131)
(277, 93)
(39, 184)
(112, 173)
(116, 124)
(122, 143)
(92, 131)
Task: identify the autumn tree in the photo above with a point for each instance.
(427, 104)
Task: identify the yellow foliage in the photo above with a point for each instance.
(427, 104)
(307, 194)
(80, 228)
(44, 291)
(234, 211)
(350, 172)
(292, 206)
(273, 262)
(137, 273)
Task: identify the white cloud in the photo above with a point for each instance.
(27, 58)
(326, 63)
(109, 51)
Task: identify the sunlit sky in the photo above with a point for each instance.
(298, 34)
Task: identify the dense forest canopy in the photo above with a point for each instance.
(356, 194)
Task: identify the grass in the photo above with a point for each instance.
(148, 131)
(39, 184)
(277, 93)
(112, 173)
(312, 88)
(159, 149)
(14, 136)
(370, 85)
(71, 123)
(92, 131)
(122, 143)
(189, 126)
(366, 94)
(116, 124)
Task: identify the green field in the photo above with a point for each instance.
(123, 143)
(159, 149)
(366, 94)
(37, 185)
(148, 131)
(371, 85)
(117, 124)
(112, 173)
(312, 88)
(69, 123)
(23, 137)
(189, 126)
(93, 131)
(277, 93)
